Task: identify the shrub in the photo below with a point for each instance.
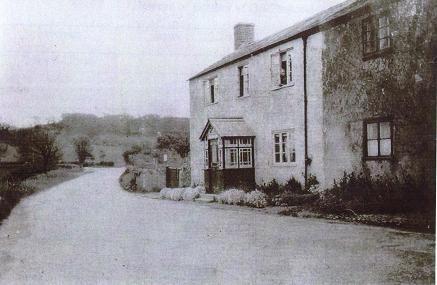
(136, 149)
(201, 189)
(256, 199)
(271, 189)
(190, 194)
(293, 186)
(128, 180)
(163, 192)
(294, 199)
(312, 183)
(382, 194)
(178, 194)
(106, 163)
(232, 197)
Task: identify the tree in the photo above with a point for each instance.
(175, 141)
(82, 146)
(3, 150)
(39, 148)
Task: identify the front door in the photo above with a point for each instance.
(213, 163)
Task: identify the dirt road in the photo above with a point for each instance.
(89, 231)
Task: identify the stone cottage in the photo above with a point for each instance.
(349, 89)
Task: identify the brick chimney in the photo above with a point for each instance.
(244, 33)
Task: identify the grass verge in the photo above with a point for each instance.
(12, 189)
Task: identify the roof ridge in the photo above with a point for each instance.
(316, 20)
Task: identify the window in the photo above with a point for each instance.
(211, 90)
(378, 139)
(281, 69)
(233, 160)
(213, 154)
(284, 151)
(376, 34)
(244, 80)
(245, 157)
(238, 152)
(206, 162)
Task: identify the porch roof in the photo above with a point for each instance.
(227, 127)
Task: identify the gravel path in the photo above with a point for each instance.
(89, 231)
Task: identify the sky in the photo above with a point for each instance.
(111, 57)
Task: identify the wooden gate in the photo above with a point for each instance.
(172, 177)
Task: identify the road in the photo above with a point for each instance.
(89, 231)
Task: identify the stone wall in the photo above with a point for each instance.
(398, 84)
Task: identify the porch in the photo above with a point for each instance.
(229, 155)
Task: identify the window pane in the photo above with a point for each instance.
(276, 138)
(372, 148)
(383, 21)
(384, 43)
(384, 130)
(290, 68)
(292, 155)
(385, 146)
(277, 150)
(283, 71)
(212, 94)
(284, 157)
(277, 157)
(372, 131)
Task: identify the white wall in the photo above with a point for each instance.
(265, 110)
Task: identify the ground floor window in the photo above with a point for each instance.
(378, 136)
(238, 153)
(245, 157)
(284, 151)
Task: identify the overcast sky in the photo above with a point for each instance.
(113, 56)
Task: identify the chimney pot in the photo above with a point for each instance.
(244, 33)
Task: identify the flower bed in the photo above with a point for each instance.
(179, 194)
(255, 199)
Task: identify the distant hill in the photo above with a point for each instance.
(111, 135)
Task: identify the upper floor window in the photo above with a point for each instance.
(244, 80)
(376, 34)
(378, 139)
(281, 69)
(211, 90)
(284, 151)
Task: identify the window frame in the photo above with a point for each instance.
(378, 121)
(374, 30)
(290, 145)
(239, 146)
(243, 81)
(212, 84)
(276, 82)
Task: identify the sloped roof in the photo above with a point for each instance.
(228, 127)
(317, 20)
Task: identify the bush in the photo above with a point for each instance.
(256, 199)
(382, 194)
(201, 189)
(271, 189)
(106, 163)
(136, 149)
(178, 194)
(128, 180)
(312, 183)
(293, 186)
(232, 197)
(294, 199)
(190, 194)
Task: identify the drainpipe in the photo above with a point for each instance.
(305, 104)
